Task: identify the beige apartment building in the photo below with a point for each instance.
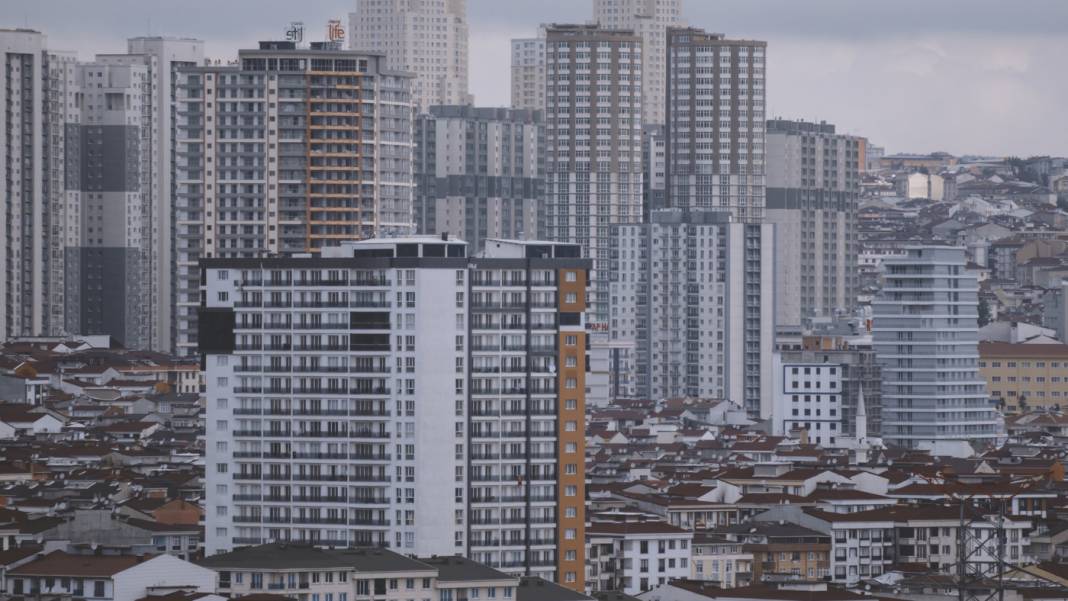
(1025, 376)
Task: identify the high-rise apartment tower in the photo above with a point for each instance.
(925, 336)
(425, 37)
(715, 123)
(401, 393)
(291, 150)
(650, 20)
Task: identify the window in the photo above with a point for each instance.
(570, 276)
(98, 588)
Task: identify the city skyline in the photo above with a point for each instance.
(993, 60)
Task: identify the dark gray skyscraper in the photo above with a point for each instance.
(715, 123)
(109, 154)
(593, 122)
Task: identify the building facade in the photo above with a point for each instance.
(925, 332)
(528, 73)
(304, 573)
(857, 386)
(325, 377)
(163, 57)
(427, 38)
(813, 186)
(291, 150)
(654, 166)
(685, 289)
(109, 153)
(650, 19)
(479, 173)
(715, 123)
(1023, 377)
(633, 557)
(593, 143)
(38, 93)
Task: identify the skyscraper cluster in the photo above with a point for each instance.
(89, 199)
(404, 302)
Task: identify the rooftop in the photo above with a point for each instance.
(287, 556)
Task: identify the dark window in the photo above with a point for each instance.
(369, 320)
(570, 319)
(216, 331)
(369, 342)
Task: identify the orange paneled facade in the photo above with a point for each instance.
(571, 451)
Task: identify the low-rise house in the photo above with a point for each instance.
(355, 574)
(106, 577)
(696, 590)
(21, 420)
(633, 556)
(721, 560)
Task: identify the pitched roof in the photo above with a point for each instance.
(61, 563)
(297, 556)
(762, 592)
(634, 528)
(460, 569)
(989, 349)
(533, 588)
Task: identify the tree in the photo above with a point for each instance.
(984, 312)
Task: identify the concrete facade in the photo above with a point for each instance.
(650, 19)
(925, 335)
(813, 186)
(291, 150)
(715, 123)
(422, 37)
(688, 302)
(480, 174)
(345, 408)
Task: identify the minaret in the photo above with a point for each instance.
(862, 416)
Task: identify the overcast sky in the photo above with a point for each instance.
(964, 76)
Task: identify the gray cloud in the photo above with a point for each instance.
(966, 76)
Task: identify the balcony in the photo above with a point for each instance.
(320, 456)
(367, 522)
(369, 478)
